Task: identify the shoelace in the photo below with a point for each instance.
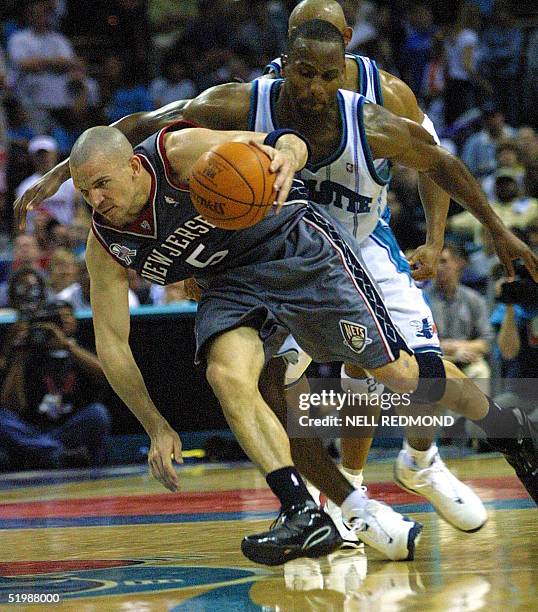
(279, 519)
(436, 468)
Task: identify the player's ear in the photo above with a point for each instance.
(136, 165)
(347, 34)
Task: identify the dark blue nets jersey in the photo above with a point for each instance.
(170, 241)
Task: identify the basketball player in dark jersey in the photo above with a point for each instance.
(257, 285)
(210, 109)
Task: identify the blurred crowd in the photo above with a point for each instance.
(66, 65)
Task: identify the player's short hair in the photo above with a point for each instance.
(316, 29)
(100, 139)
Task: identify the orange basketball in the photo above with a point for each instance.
(231, 185)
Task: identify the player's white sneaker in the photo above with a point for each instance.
(454, 501)
(392, 534)
(348, 535)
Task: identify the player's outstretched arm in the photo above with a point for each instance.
(110, 307)
(407, 143)
(136, 127)
(400, 100)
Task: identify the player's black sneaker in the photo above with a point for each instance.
(300, 531)
(522, 452)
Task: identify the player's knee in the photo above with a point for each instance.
(422, 376)
(400, 376)
(432, 379)
(354, 371)
(227, 383)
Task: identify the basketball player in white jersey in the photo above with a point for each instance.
(419, 467)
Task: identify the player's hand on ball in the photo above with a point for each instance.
(165, 446)
(283, 164)
(424, 261)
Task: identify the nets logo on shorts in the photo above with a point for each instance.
(355, 335)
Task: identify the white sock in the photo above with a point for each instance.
(421, 458)
(354, 477)
(354, 502)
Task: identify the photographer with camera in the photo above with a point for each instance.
(50, 410)
(516, 318)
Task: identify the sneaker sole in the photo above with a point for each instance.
(439, 512)
(351, 544)
(278, 555)
(413, 538)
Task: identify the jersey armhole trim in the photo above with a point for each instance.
(365, 146)
(363, 85)
(253, 110)
(273, 67)
(377, 84)
(105, 246)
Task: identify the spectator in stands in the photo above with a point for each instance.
(19, 129)
(42, 59)
(417, 48)
(461, 44)
(173, 82)
(480, 149)
(530, 80)
(50, 410)
(508, 158)
(78, 293)
(63, 272)
(501, 46)
(132, 96)
(360, 16)
(527, 141)
(461, 316)
(61, 206)
(26, 252)
(432, 88)
(69, 123)
(515, 210)
(531, 178)
(516, 320)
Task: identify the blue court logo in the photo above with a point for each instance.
(76, 579)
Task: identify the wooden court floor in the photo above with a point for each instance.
(115, 540)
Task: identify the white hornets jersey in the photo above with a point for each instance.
(348, 182)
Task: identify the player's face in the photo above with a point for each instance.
(108, 188)
(314, 72)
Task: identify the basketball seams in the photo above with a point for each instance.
(236, 170)
(229, 199)
(262, 171)
(212, 190)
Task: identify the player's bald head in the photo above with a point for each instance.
(100, 141)
(317, 30)
(326, 10)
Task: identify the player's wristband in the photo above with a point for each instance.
(272, 138)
